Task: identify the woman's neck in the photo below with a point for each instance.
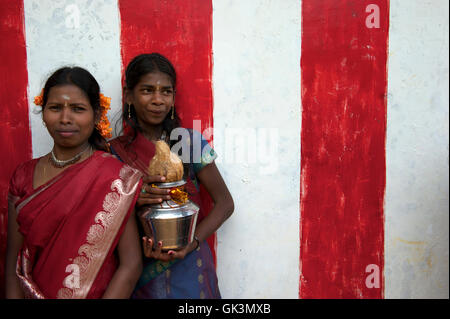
(63, 153)
(152, 133)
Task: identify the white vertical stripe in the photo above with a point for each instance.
(256, 76)
(417, 188)
(71, 32)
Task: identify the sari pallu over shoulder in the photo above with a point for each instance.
(71, 227)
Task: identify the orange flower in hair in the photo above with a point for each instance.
(105, 102)
(39, 99)
(103, 125)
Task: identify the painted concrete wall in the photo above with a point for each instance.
(257, 93)
(256, 85)
(417, 186)
(417, 190)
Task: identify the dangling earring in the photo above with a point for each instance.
(129, 111)
(173, 109)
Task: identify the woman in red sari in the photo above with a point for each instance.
(71, 226)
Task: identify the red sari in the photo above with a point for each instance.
(72, 225)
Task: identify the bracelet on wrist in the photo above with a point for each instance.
(198, 242)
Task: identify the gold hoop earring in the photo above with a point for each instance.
(173, 109)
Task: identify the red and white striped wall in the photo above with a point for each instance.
(330, 119)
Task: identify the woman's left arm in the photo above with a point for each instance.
(210, 177)
(213, 182)
(130, 263)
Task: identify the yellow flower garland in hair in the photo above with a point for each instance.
(103, 126)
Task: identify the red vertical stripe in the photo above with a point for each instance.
(15, 135)
(344, 86)
(181, 31)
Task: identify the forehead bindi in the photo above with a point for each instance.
(67, 93)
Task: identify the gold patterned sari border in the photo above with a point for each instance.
(101, 235)
(23, 272)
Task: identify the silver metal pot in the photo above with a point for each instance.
(170, 222)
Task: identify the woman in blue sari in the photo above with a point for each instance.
(150, 115)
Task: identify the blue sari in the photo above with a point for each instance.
(193, 277)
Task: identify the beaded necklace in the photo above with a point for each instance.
(59, 163)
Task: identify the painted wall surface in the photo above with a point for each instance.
(417, 188)
(254, 74)
(257, 136)
(344, 85)
(14, 122)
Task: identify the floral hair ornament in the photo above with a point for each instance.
(39, 99)
(103, 126)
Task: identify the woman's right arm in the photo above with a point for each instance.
(15, 241)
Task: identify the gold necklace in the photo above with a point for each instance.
(60, 163)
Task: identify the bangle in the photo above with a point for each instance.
(198, 242)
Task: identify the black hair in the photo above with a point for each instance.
(88, 84)
(138, 67)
